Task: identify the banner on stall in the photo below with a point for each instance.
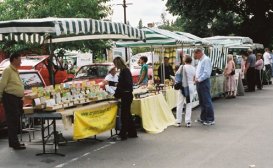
(90, 122)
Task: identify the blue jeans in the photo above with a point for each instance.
(272, 71)
(203, 90)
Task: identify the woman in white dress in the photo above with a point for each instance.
(189, 75)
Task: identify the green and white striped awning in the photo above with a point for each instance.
(66, 29)
(157, 38)
(197, 40)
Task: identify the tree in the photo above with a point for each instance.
(177, 25)
(19, 9)
(96, 9)
(250, 18)
(140, 24)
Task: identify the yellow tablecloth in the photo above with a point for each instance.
(155, 113)
(66, 114)
(171, 97)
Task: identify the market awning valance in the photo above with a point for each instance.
(157, 38)
(66, 29)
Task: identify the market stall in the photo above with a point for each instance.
(155, 113)
(91, 119)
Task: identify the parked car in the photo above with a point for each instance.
(40, 63)
(97, 72)
(30, 78)
(93, 72)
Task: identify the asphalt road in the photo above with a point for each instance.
(242, 136)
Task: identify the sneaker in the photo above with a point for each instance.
(177, 124)
(118, 138)
(209, 123)
(200, 121)
(188, 125)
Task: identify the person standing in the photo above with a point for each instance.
(11, 94)
(187, 73)
(229, 72)
(143, 76)
(124, 92)
(258, 70)
(267, 64)
(202, 80)
(250, 71)
(271, 54)
(167, 68)
(111, 80)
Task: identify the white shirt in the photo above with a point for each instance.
(190, 71)
(204, 68)
(267, 58)
(110, 77)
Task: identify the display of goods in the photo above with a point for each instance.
(66, 95)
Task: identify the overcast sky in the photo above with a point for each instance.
(147, 10)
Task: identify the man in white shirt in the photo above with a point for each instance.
(202, 79)
(267, 63)
(110, 80)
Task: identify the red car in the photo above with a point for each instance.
(97, 72)
(39, 63)
(30, 78)
(93, 72)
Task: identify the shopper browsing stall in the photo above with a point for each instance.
(187, 73)
(124, 92)
(230, 83)
(250, 71)
(258, 70)
(202, 80)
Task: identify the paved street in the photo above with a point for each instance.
(242, 136)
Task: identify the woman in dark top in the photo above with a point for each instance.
(124, 92)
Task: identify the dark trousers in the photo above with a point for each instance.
(127, 123)
(203, 90)
(251, 78)
(13, 108)
(259, 80)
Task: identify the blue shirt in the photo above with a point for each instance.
(204, 68)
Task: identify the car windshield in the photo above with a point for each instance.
(93, 71)
(30, 79)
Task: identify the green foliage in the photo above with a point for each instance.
(140, 24)
(250, 18)
(21, 9)
(137, 50)
(171, 26)
(20, 47)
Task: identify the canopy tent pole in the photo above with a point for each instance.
(162, 66)
(50, 64)
(152, 62)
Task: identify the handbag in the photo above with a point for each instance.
(232, 72)
(178, 80)
(178, 86)
(185, 89)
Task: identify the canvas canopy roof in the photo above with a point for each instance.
(195, 38)
(158, 37)
(222, 40)
(66, 29)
